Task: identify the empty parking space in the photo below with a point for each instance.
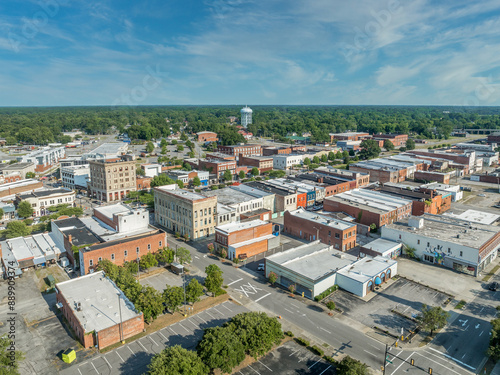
(133, 357)
(290, 358)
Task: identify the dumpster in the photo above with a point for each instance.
(50, 281)
(69, 355)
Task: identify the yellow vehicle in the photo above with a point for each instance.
(69, 355)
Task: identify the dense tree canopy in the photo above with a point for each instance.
(175, 360)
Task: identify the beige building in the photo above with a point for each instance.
(185, 212)
(111, 180)
(41, 200)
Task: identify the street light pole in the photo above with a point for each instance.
(184, 285)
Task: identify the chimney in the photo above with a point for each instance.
(70, 238)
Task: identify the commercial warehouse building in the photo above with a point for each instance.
(98, 311)
(315, 267)
(450, 242)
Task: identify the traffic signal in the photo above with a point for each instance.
(412, 362)
(430, 371)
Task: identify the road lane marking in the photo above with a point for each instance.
(290, 311)
(184, 328)
(401, 364)
(481, 333)
(454, 359)
(268, 294)
(107, 362)
(265, 366)
(154, 342)
(234, 282)
(131, 350)
(395, 356)
(325, 369)
(197, 257)
(440, 364)
(119, 356)
(366, 351)
(314, 364)
(321, 328)
(140, 343)
(466, 328)
(94, 367)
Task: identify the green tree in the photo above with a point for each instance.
(180, 184)
(1, 213)
(410, 144)
(187, 166)
(272, 277)
(214, 280)
(388, 145)
(147, 261)
(30, 174)
(255, 171)
(9, 362)
(228, 175)
(494, 348)
(307, 161)
(339, 155)
(316, 160)
(150, 302)
(433, 318)
(175, 360)
(24, 209)
(196, 181)
(132, 267)
(161, 180)
(370, 149)
(165, 255)
(184, 137)
(173, 297)
(351, 366)
(140, 171)
(324, 158)
(163, 143)
(221, 349)
(180, 148)
(277, 174)
(17, 229)
(330, 305)
(150, 147)
(331, 155)
(110, 269)
(182, 255)
(194, 290)
(257, 331)
(174, 142)
(241, 175)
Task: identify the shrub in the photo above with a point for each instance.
(331, 360)
(326, 293)
(289, 333)
(302, 341)
(330, 305)
(317, 350)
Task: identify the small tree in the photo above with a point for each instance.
(9, 360)
(331, 155)
(180, 148)
(388, 145)
(24, 209)
(330, 305)
(183, 255)
(150, 147)
(324, 158)
(223, 253)
(241, 175)
(410, 144)
(373, 227)
(163, 143)
(307, 161)
(30, 175)
(17, 229)
(433, 318)
(175, 360)
(350, 366)
(255, 171)
(214, 280)
(210, 248)
(186, 237)
(147, 261)
(196, 181)
(316, 160)
(150, 302)
(165, 255)
(272, 277)
(292, 288)
(194, 290)
(173, 297)
(228, 175)
(180, 184)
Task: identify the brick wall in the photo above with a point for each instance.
(105, 219)
(377, 175)
(252, 249)
(207, 137)
(86, 340)
(367, 217)
(111, 335)
(143, 183)
(21, 189)
(302, 200)
(443, 178)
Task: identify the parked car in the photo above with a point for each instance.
(260, 267)
(493, 286)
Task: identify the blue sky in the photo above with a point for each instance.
(108, 52)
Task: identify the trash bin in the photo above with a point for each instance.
(69, 355)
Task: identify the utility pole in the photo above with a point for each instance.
(385, 357)
(184, 285)
(121, 321)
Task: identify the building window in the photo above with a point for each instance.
(149, 246)
(91, 262)
(428, 244)
(100, 259)
(112, 256)
(125, 253)
(461, 253)
(449, 250)
(137, 249)
(418, 241)
(337, 235)
(159, 244)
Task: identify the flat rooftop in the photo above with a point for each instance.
(283, 191)
(446, 228)
(99, 298)
(15, 166)
(235, 227)
(320, 219)
(47, 193)
(313, 261)
(370, 200)
(254, 192)
(475, 216)
(229, 196)
(381, 246)
(114, 209)
(367, 268)
(180, 193)
(109, 148)
(12, 185)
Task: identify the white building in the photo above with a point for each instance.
(454, 190)
(285, 162)
(43, 199)
(238, 200)
(44, 158)
(450, 242)
(246, 116)
(75, 176)
(151, 170)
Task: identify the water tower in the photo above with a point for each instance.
(246, 116)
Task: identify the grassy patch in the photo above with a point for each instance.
(488, 276)
(460, 305)
(41, 274)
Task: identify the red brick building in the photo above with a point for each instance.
(494, 138)
(246, 150)
(398, 140)
(244, 239)
(359, 178)
(207, 136)
(218, 167)
(349, 136)
(312, 226)
(261, 162)
(143, 183)
(369, 207)
(98, 311)
(442, 177)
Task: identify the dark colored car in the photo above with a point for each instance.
(493, 286)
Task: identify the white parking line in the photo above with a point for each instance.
(325, 369)
(199, 317)
(170, 328)
(213, 317)
(107, 362)
(294, 352)
(254, 369)
(314, 364)
(119, 355)
(162, 335)
(257, 300)
(94, 367)
(218, 311)
(235, 281)
(397, 368)
(184, 328)
(140, 343)
(79, 371)
(265, 366)
(154, 342)
(195, 326)
(223, 305)
(131, 350)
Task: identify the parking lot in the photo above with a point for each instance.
(134, 357)
(403, 296)
(289, 358)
